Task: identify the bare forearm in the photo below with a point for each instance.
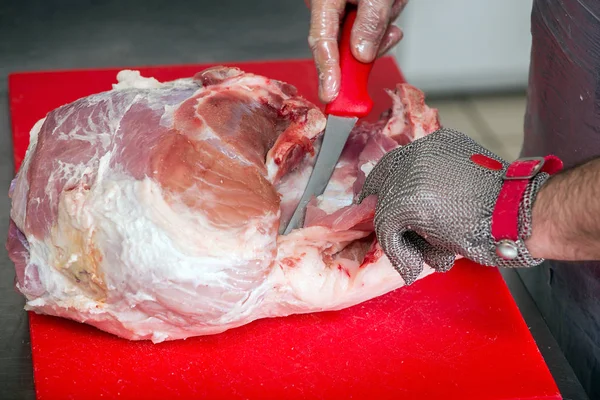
(566, 216)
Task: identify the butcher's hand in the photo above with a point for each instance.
(373, 35)
(435, 199)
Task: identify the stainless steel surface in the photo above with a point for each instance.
(336, 133)
(46, 34)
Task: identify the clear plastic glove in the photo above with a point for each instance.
(436, 199)
(372, 36)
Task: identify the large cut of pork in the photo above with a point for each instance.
(152, 210)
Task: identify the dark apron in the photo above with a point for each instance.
(563, 118)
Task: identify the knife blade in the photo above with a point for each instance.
(353, 102)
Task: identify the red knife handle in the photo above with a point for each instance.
(353, 99)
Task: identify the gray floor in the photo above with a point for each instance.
(495, 121)
(41, 35)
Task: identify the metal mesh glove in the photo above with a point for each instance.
(434, 202)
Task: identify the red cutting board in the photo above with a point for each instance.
(457, 335)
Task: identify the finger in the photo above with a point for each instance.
(391, 38)
(372, 20)
(437, 258)
(322, 39)
(397, 9)
(405, 254)
(399, 244)
(393, 34)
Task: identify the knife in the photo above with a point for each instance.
(353, 102)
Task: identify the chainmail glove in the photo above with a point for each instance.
(438, 197)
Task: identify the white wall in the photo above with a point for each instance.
(464, 45)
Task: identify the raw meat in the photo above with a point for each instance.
(152, 210)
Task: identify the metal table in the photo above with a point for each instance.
(42, 35)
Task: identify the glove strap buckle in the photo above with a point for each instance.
(524, 168)
(505, 217)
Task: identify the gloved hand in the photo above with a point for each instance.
(373, 35)
(444, 194)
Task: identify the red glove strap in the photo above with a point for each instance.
(505, 217)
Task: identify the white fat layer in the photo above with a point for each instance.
(337, 195)
(177, 262)
(20, 189)
(339, 191)
(367, 167)
(314, 285)
(272, 169)
(33, 136)
(128, 79)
